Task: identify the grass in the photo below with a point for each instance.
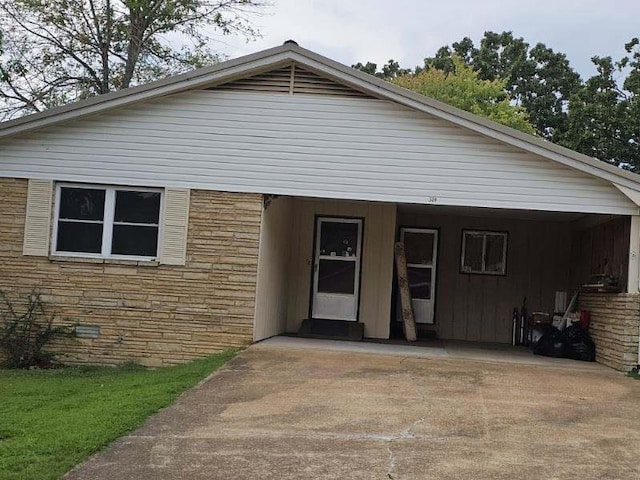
(51, 420)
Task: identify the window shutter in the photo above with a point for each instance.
(173, 250)
(37, 225)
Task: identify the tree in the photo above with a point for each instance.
(599, 117)
(390, 70)
(461, 87)
(60, 51)
(538, 79)
(604, 116)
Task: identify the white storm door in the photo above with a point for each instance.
(421, 247)
(336, 268)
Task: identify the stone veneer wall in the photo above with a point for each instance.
(148, 313)
(615, 319)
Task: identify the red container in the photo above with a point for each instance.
(585, 319)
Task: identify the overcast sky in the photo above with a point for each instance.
(409, 30)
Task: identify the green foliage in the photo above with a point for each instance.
(51, 420)
(390, 70)
(23, 335)
(536, 78)
(59, 51)
(596, 117)
(604, 119)
(461, 87)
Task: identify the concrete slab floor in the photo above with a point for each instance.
(470, 351)
(278, 413)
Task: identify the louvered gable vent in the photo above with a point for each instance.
(292, 80)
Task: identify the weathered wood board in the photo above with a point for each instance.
(405, 295)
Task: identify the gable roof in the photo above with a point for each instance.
(292, 53)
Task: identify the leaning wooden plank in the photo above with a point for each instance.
(405, 295)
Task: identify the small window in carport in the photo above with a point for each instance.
(484, 252)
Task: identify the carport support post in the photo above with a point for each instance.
(634, 265)
(633, 279)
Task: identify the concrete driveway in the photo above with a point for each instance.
(275, 413)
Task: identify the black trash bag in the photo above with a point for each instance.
(550, 344)
(578, 344)
(537, 332)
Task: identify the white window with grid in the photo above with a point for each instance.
(107, 222)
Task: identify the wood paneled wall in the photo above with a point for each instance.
(543, 256)
(479, 307)
(601, 249)
(377, 262)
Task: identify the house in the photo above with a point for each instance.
(226, 205)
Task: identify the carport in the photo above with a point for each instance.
(540, 253)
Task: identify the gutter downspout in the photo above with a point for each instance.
(638, 364)
(633, 278)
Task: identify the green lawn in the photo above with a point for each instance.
(51, 420)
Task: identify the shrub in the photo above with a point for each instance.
(23, 335)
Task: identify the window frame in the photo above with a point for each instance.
(108, 221)
(484, 233)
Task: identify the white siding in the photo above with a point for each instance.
(272, 292)
(305, 145)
